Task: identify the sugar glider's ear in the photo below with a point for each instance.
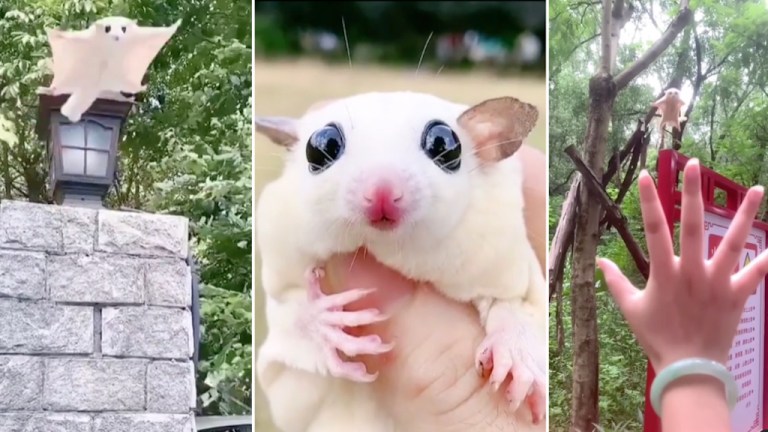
(282, 131)
(498, 126)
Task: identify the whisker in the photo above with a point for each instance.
(349, 114)
(354, 257)
(423, 51)
(500, 143)
(346, 41)
(440, 70)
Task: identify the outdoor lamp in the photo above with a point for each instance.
(82, 156)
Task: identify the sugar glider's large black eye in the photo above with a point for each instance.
(107, 29)
(442, 145)
(324, 147)
(124, 28)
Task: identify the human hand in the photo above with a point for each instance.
(690, 306)
(429, 380)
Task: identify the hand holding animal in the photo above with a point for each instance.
(433, 190)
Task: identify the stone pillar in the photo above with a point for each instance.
(95, 322)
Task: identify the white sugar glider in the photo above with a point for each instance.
(433, 189)
(670, 106)
(111, 56)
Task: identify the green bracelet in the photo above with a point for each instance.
(693, 366)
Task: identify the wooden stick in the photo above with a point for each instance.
(613, 212)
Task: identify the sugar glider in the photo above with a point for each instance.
(432, 189)
(670, 106)
(109, 57)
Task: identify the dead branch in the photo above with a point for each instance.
(613, 211)
(618, 158)
(563, 239)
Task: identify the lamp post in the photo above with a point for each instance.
(82, 156)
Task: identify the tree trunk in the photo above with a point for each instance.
(584, 409)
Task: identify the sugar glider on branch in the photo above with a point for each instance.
(433, 189)
(108, 58)
(670, 107)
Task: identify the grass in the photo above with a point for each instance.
(288, 88)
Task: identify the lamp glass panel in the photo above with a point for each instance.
(72, 135)
(99, 137)
(97, 162)
(73, 161)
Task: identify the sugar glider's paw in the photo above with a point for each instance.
(504, 354)
(325, 320)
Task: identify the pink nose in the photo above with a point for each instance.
(382, 206)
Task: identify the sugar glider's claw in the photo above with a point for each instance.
(537, 404)
(313, 276)
(498, 357)
(353, 371)
(326, 320)
(484, 360)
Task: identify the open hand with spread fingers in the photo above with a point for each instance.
(690, 306)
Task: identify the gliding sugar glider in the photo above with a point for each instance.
(432, 189)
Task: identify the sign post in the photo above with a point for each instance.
(747, 356)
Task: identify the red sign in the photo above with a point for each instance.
(747, 355)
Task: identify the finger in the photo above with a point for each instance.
(656, 229)
(747, 279)
(729, 252)
(535, 200)
(350, 272)
(621, 288)
(692, 220)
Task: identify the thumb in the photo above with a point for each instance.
(621, 288)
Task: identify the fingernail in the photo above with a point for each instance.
(759, 189)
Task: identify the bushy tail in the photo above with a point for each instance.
(77, 103)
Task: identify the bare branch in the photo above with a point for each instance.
(556, 69)
(563, 239)
(649, 11)
(713, 69)
(613, 212)
(675, 27)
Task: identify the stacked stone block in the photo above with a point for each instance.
(95, 322)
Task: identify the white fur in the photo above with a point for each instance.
(464, 232)
(103, 59)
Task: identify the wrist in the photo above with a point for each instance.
(696, 367)
(696, 403)
(704, 385)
